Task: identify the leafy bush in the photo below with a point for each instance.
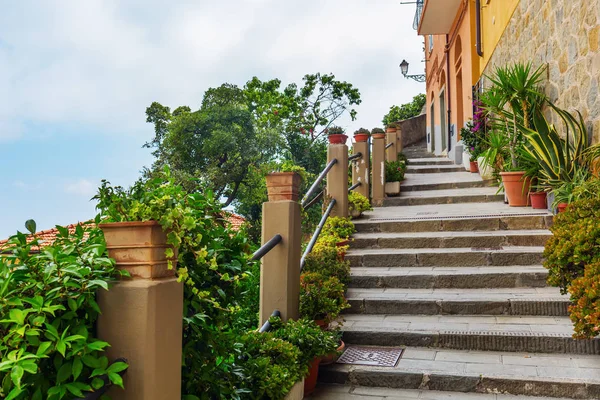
(48, 348)
(575, 243)
(340, 227)
(358, 202)
(394, 171)
(585, 295)
(327, 260)
(321, 298)
(405, 111)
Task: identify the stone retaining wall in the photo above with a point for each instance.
(565, 35)
(414, 130)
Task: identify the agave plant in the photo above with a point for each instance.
(560, 158)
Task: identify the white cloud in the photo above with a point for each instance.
(81, 187)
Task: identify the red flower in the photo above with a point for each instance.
(276, 112)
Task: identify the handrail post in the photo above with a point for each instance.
(391, 153)
(360, 168)
(378, 170)
(279, 271)
(337, 178)
(399, 146)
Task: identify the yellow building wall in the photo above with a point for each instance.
(495, 16)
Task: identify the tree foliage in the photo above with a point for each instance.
(405, 111)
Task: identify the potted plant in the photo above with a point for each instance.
(391, 127)
(336, 135)
(285, 183)
(538, 197)
(473, 160)
(465, 132)
(362, 135)
(321, 298)
(378, 133)
(357, 204)
(394, 174)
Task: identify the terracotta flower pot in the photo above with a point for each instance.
(538, 200)
(378, 135)
(337, 138)
(473, 166)
(139, 248)
(321, 323)
(355, 213)
(390, 130)
(516, 187)
(283, 186)
(333, 357)
(562, 207)
(361, 137)
(310, 382)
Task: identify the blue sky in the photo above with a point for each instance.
(76, 77)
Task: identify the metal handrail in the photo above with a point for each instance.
(315, 235)
(267, 325)
(355, 156)
(351, 188)
(265, 248)
(314, 200)
(107, 384)
(389, 145)
(318, 181)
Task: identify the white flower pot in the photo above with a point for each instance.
(486, 171)
(466, 160)
(392, 188)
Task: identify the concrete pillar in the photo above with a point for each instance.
(361, 169)
(378, 177)
(399, 146)
(391, 153)
(142, 316)
(337, 179)
(280, 268)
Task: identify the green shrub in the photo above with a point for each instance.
(394, 171)
(358, 202)
(574, 244)
(585, 295)
(48, 348)
(327, 260)
(321, 298)
(339, 226)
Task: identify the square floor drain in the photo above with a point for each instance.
(374, 356)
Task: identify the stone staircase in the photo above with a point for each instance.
(452, 274)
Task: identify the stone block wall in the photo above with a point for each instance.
(564, 35)
(414, 130)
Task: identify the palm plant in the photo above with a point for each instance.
(512, 100)
(497, 150)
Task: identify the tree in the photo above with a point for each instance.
(405, 111)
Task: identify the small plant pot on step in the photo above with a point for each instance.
(485, 170)
(297, 392)
(333, 357)
(139, 248)
(392, 188)
(310, 382)
(538, 200)
(473, 167)
(355, 214)
(562, 207)
(516, 187)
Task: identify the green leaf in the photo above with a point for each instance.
(117, 367)
(43, 349)
(91, 361)
(64, 373)
(98, 282)
(61, 347)
(72, 304)
(17, 315)
(97, 345)
(97, 383)
(74, 389)
(14, 393)
(16, 374)
(30, 225)
(116, 379)
(77, 367)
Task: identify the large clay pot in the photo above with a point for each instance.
(310, 382)
(538, 200)
(473, 166)
(516, 187)
(139, 248)
(562, 207)
(333, 357)
(337, 138)
(283, 186)
(361, 137)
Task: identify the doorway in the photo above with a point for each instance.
(443, 118)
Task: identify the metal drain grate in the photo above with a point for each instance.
(374, 356)
(457, 217)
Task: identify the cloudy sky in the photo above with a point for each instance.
(76, 77)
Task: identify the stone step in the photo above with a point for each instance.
(472, 332)
(413, 186)
(351, 392)
(415, 161)
(447, 196)
(449, 277)
(546, 301)
(433, 169)
(443, 239)
(550, 375)
(446, 257)
(434, 222)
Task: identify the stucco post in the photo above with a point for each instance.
(360, 168)
(399, 146)
(378, 177)
(391, 153)
(280, 268)
(142, 317)
(337, 179)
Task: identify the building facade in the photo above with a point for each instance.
(465, 40)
